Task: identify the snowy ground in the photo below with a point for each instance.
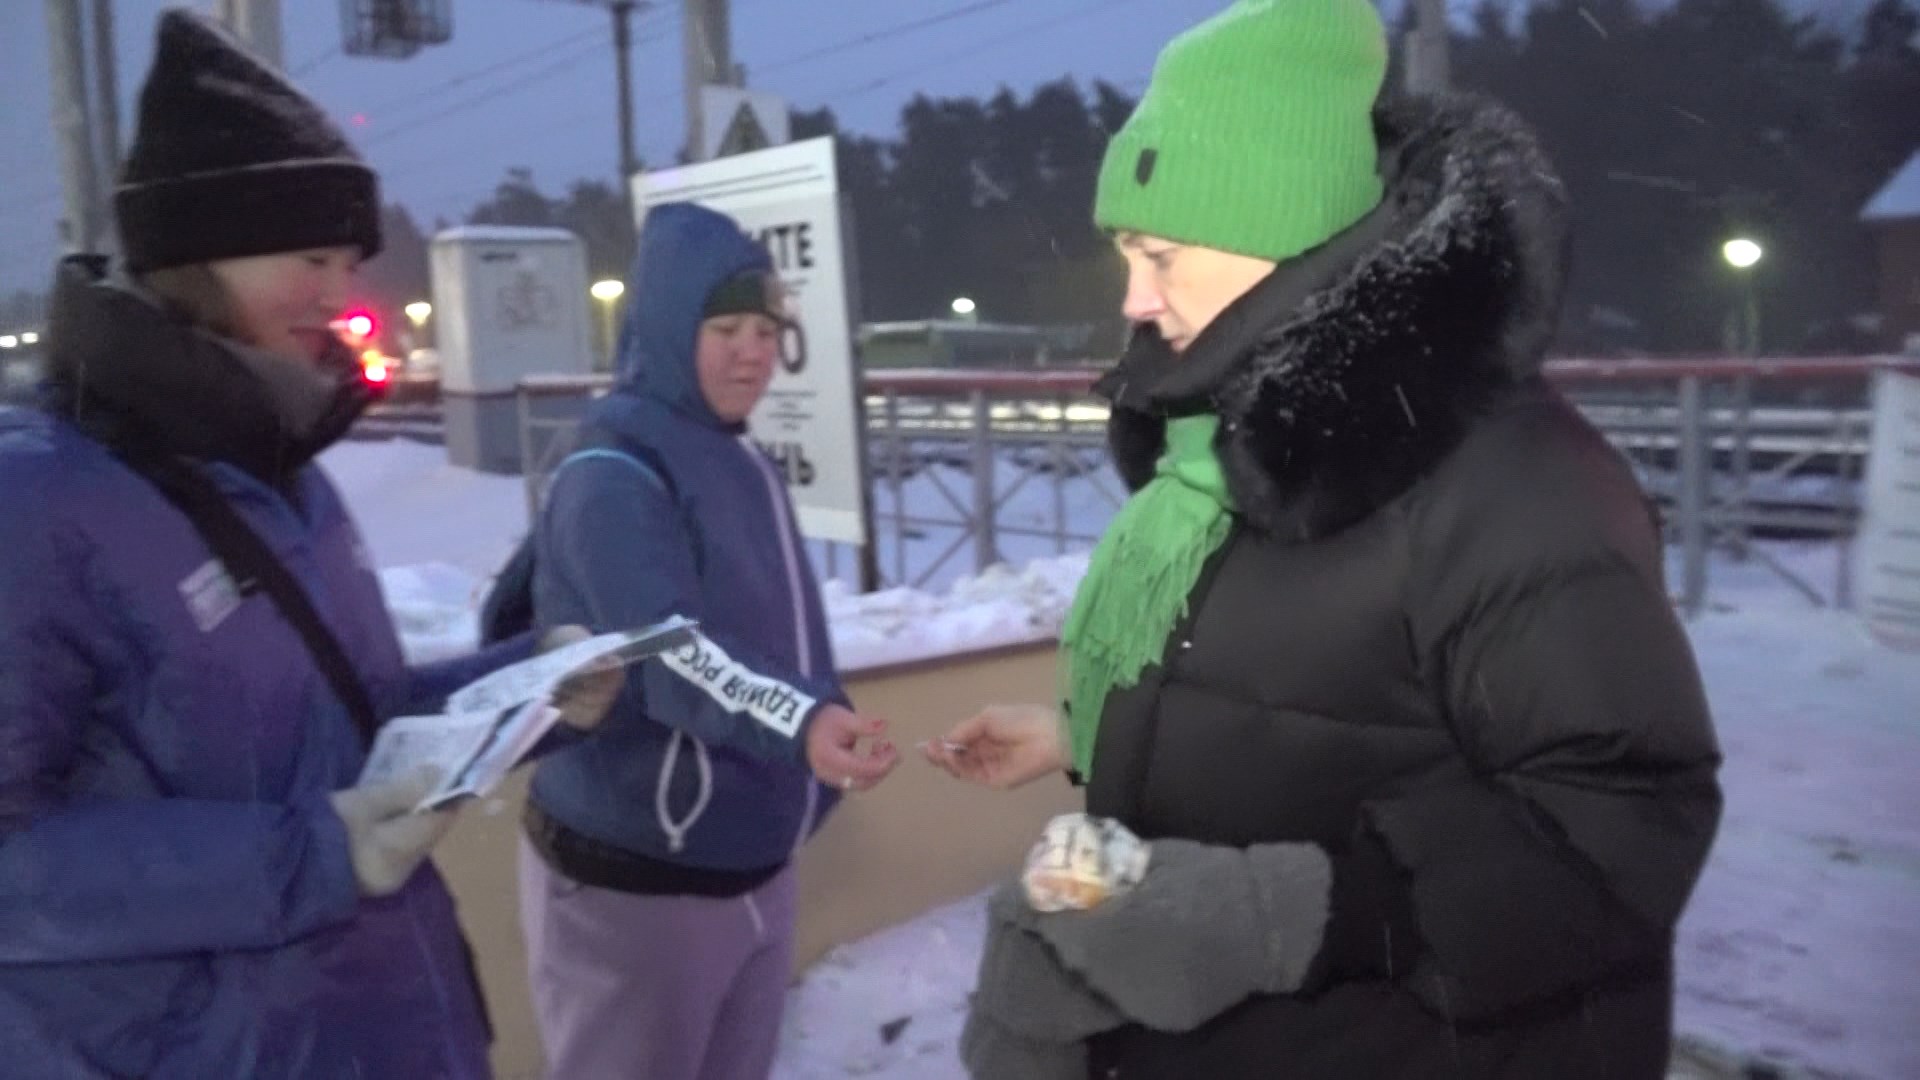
(1802, 945)
(1801, 948)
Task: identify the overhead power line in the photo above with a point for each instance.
(566, 63)
(428, 95)
(1024, 32)
(960, 12)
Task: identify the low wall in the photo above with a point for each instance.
(918, 841)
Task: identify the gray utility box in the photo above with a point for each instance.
(509, 302)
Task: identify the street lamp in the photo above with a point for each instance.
(8, 341)
(608, 291)
(417, 314)
(1742, 253)
(30, 338)
(964, 307)
(1743, 336)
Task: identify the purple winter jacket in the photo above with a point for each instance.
(176, 894)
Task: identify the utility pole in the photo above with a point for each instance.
(707, 37)
(106, 93)
(257, 22)
(622, 12)
(81, 230)
(1427, 61)
(623, 76)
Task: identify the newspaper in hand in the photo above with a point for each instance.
(493, 722)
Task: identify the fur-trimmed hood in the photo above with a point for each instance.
(1352, 370)
(130, 371)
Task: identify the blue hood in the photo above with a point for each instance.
(686, 251)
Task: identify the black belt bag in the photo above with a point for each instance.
(583, 859)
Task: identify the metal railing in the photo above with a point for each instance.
(1044, 424)
(1724, 469)
(550, 408)
(976, 443)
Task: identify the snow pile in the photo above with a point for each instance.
(413, 507)
(441, 532)
(1002, 606)
(436, 608)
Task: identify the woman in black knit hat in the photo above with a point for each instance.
(193, 646)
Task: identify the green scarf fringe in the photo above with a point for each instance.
(1140, 577)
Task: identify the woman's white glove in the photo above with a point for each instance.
(387, 839)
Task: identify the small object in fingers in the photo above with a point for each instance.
(952, 747)
(846, 783)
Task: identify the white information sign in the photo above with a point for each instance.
(1887, 584)
(809, 423)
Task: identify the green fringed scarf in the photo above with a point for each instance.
(1140, 576)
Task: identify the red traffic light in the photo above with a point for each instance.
(357, 326)
(373, 367)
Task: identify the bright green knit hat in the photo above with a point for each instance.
(1256, 134)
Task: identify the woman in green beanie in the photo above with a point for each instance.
(1378, 656)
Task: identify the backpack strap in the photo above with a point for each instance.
(645, 467)
(599, 443)
(596, 443)
(508, 607)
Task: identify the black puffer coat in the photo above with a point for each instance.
(1437, 642)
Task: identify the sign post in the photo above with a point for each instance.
(788, 199)
(1888, 566)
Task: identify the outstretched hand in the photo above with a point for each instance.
(1001, 746)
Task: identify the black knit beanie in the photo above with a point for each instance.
(231, 160)
(755, 292)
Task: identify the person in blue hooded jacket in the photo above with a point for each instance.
(657, 892)
(191, 884)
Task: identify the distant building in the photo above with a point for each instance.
(19, 372)
(1894, 216)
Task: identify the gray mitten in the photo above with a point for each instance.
(1206, 929)
(991, 1052)
(1030, 1019)
(1023, 987)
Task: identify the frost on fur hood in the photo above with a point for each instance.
(1352, 370)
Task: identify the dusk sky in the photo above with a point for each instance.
(441, 146)
(530, 82)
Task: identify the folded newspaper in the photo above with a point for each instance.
(493, 722)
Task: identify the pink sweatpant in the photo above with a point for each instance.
(631, 987)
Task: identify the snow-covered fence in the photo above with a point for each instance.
(1008, 464)
(1725, 469)
(1005, 431)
